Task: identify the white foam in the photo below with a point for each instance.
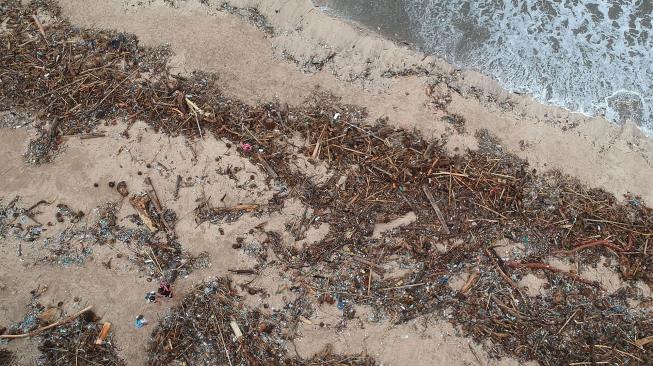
(581, 55)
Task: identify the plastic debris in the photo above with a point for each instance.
(165, 289)
(150, 297)
(140, 321)
(246, 147)
(341, 305)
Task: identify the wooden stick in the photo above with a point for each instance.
(40, 26)
(470, 282)
(246, 208)
(42, 329)
(103, 333)
(236, 329)
(595, 243)
(438, 213)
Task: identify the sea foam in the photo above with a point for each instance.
(593, 57)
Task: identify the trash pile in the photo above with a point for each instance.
(462, 205)
(213, 327)
(151, 239)
(75, 339)
(83, 341)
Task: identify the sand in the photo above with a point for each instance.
(117, 293)
(256, 66)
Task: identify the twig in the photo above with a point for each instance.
(37, 204)
(159, 208)
(243, 271)
(475, 354)
(177, 186)
(437, 210)
(404, 286)
(40, 26)
(246, 208)
(92, 135)
(226, 351)
(42, 329)
(567, 322)
(591, 244)
(619, 351)
(501, 267)
(267, 167)
(506, 307)
(316, 150)
(470, 282)
(374, 266)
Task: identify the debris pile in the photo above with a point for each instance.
(152, 239)
(63, 340)
(81, 342)
(213, 327)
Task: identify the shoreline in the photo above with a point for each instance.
(592, 149)
(399, 21)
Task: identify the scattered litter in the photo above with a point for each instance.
(246, 147)
(212, 326)
(150, 297)
(140, 321)
(76, 343)
(104, 333)
(165, 289)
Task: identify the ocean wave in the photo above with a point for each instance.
(593, 57)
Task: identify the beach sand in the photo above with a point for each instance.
(306, 51)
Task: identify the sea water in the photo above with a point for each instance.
(589, 56)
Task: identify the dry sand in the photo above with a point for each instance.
(117, 293)
(255, 66)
